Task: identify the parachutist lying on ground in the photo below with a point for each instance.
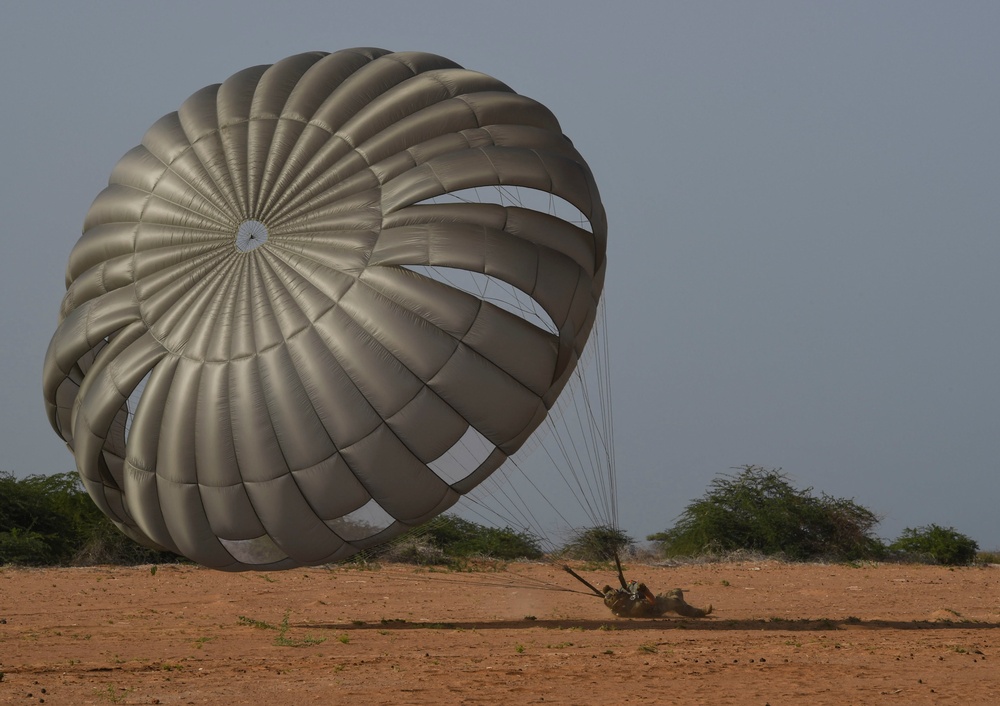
(635, 600)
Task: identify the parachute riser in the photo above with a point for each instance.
(621, 574)
(582, 580)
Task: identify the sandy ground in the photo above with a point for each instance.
(780, 634)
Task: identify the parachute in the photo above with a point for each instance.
(278, 345)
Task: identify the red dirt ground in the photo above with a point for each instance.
(780, 634)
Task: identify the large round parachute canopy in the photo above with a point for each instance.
(266, 357)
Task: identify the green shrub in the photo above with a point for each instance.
(934, 544)
(600, 543)
(24, 547)
(50, 520)
(458, 537)
(43, 519)
(448, 537)
(758, 510)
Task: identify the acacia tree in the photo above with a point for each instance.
(757, 509)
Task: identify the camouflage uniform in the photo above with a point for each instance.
(637, 601)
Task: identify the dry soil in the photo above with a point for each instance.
(780, 634)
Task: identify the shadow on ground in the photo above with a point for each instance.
(705, 624)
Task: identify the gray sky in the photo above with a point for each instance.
(803, 205)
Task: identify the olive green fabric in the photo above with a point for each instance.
(247, 271)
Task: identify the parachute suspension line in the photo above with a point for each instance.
(517, 506)
(587, 453)
(511, 579)
(583, 498)
(590, 441)
(527, 521)
(531, 520)
(607, 404)
(490, 289)
(602, 426)
(530, 309)
(560, 434)
(566, 523)
(501, 484)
